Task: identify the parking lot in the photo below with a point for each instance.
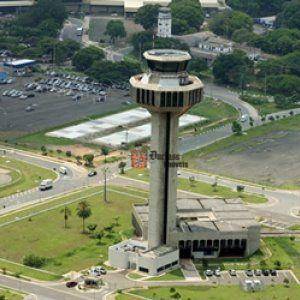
(30, 104)
(241, 277)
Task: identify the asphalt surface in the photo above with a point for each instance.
(69, 31)
(232, 98)
(51, 108)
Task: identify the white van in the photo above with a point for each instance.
(46, 184)
(62, 170)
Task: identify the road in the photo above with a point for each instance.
(69, 30)
(232, 98)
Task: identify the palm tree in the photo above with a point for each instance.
(83, 211)
(122, 166)
(67, 213)
(104, 151)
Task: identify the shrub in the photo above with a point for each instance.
(58, 151)
(34, 261)
(68, 153)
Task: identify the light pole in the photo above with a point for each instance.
(105, 184)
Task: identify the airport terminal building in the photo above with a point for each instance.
(121, 7)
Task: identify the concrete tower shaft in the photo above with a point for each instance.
(167, 91)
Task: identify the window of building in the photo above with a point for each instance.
(138, 95)
(180, 100)
(168, 266)
(169, 98)
(160, 269)
(174, 263)
(163, 99)
(143, 96)
(152, 98)
(174, 99)
(142, 269)
(148, 97)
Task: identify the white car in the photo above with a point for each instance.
(244, 118)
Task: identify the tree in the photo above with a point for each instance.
(280, 41)
(113, 72)
(88, 158)
(67, 213)
(197, 65)
(104, 151)
(235, 68)
(290, 15)
(236, 128)
(122, 166)
(92, 227)
(227, 22)
(147, 16)
(115, 29)
(83, 212)
(143, 41)
(84, 58)
(34, 261)
(288, 85)
(43, 10)
(49, 28)
(256, 8)
(187, 16)
(242, 35)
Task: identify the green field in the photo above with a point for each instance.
(258, 140)
(214, 110)
(291, 123)
(169, 276)
(200, 187)
(68, 249)
(10, 294)
(276, 292)
(24, 176)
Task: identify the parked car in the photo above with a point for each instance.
(266, 272)
(217, 272)
(249, 273)
(92, 173)
(232, 272)
(273, 272)
(209, 273)
(29, 109)
(257, 272)
(71, 284)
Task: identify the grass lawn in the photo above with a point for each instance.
(24, 176)
(68, 249)
(10, 294)
(169, 276)
(290, 123)
(218, 293)
(214, 110)
(134, 275)
(294, 227)
(286, 124)
(200, 187)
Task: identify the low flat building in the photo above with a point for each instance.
(207, 228)
(134, 254)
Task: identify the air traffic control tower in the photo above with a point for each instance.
(167, 91)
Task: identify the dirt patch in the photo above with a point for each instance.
(273, 158)
(4, 177)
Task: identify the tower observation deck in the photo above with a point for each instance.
(167, 91)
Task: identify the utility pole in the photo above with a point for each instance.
(105, 185)
(265, 83)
